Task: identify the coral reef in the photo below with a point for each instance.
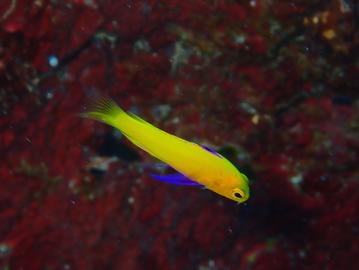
(271, 84)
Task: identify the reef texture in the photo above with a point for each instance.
(271, 84)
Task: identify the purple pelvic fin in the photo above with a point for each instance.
(175, 179)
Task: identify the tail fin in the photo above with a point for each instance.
(105, 110)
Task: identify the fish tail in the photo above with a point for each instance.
(107, 111)
(137, 130)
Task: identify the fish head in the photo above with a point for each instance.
(235, 187)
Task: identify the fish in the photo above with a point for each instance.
(195, 164)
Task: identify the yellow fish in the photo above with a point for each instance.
(196, 165)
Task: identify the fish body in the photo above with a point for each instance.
(195, 163)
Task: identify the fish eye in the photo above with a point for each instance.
(238, 194)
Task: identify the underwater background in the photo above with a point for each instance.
(271, 85)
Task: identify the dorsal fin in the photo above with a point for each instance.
(210, 150)
(134, 116)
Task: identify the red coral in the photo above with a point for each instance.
(269, 86)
